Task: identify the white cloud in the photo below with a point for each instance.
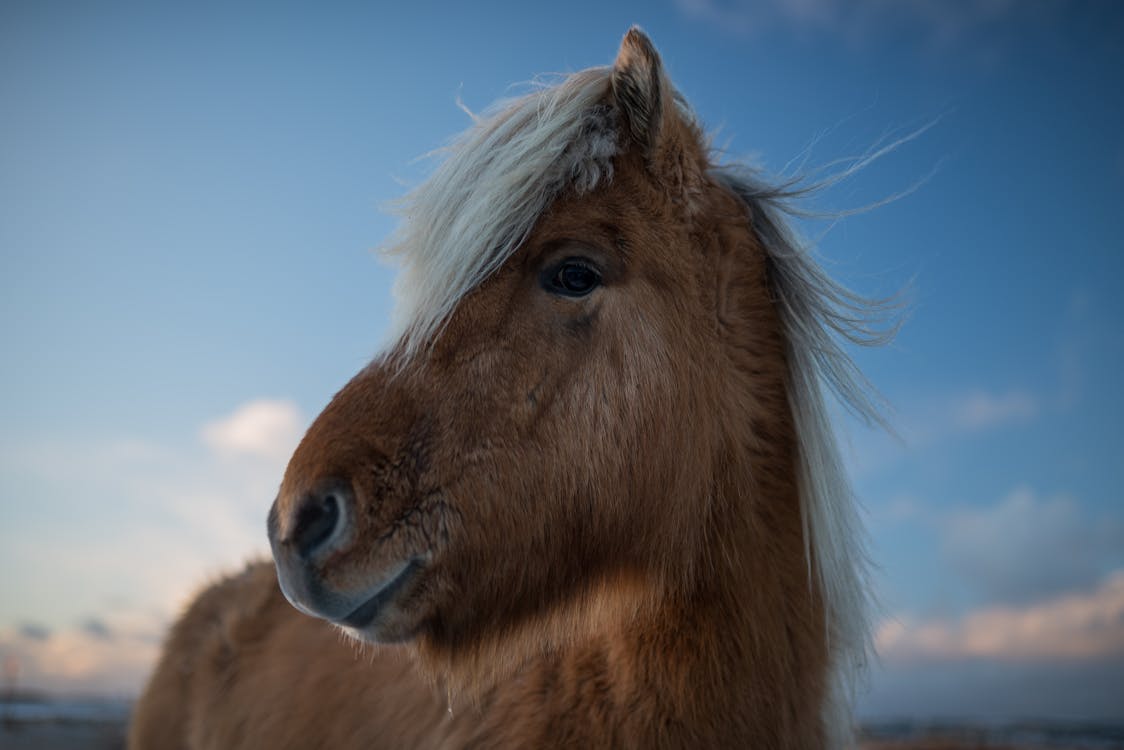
(264, 428)
(1075, 626)
(146, 526)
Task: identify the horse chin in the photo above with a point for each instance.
(381, 618)
(389, 628)
(373, 613)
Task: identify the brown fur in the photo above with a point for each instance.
(242, 669)
(601, 493)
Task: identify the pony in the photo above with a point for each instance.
(589, 496)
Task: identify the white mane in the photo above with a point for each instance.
(500, 176)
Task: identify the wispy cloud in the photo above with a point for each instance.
(96, 627)
(981, 410)
(948, 416)
(930, 420)
(1026, 547)
(943, 22)
(1075, 626)
(33, 631)
(1020, 549)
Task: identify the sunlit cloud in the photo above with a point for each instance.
(264, 428)
(1076, 626)
(109, 654)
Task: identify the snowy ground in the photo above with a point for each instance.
(58, 724)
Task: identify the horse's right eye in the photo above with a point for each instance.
(571, 278)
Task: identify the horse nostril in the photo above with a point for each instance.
(317, 518)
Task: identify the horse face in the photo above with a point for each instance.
(542, 445)
(554, 440)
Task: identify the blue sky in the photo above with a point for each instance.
(189, 197)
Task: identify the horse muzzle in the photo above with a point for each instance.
(320, 528)
(304, 538)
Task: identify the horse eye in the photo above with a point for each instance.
(572, 278)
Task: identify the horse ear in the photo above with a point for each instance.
(671, 146)
(641, 91)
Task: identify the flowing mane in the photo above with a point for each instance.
(591, 485)
(817, 312)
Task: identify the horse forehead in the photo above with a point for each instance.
(627, 207)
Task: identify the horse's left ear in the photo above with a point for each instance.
(646, 102)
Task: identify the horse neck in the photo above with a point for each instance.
(735, 658)
(768, 618)
(755, 621)
(751, 634)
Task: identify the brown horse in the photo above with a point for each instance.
(589, 497)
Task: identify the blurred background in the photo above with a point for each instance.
(190, 197)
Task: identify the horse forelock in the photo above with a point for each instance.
(497, 179)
